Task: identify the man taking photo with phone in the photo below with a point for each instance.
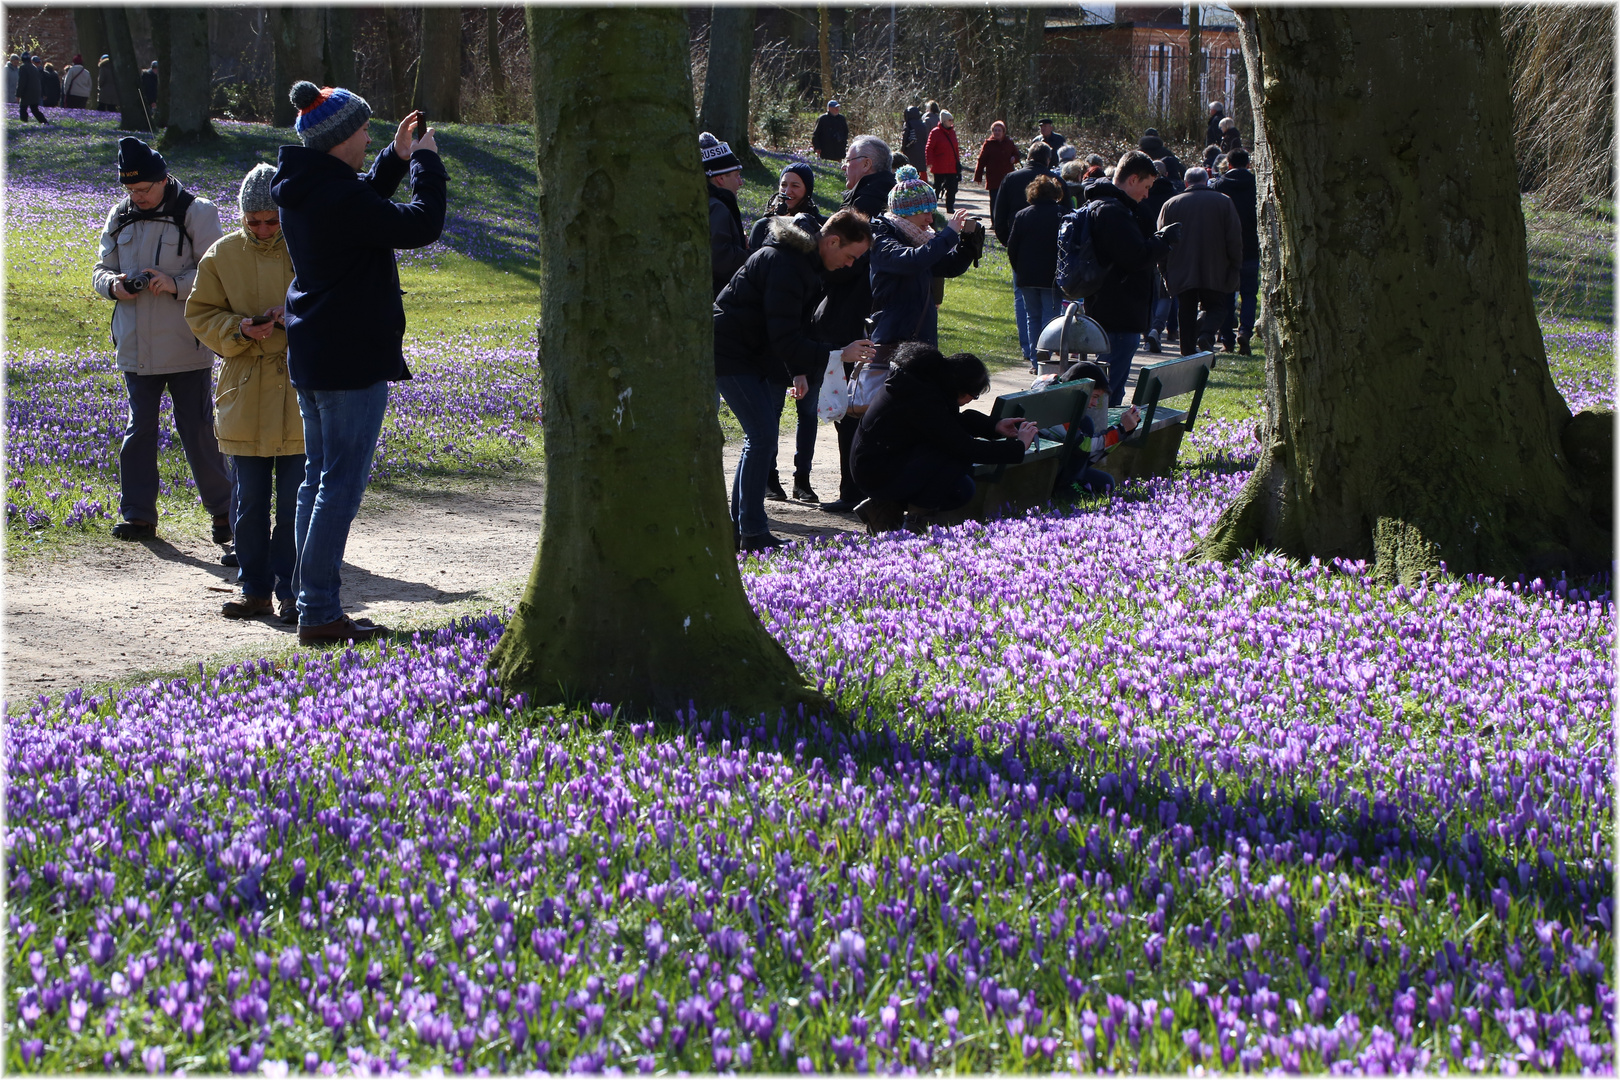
(345, 319)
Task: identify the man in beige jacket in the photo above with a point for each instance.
(235, 309)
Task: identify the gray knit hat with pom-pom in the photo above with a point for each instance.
(326, 114)
(255, 194)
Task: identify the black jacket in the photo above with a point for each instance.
(831, 136)
(1160, 193)
(903, 281)
(28, 81)
(50, 88)
(914, 137)
(728, 247)
(842, 315)
(762, 227)
(1055, 141)
(345, 318)
(909, 414)
(1238, 185)
(762, 316)
(1124, 239)
(149, 88)
(1212, 130)
(1009, 199)
(1032, 244)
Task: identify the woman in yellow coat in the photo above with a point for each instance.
(235, 309)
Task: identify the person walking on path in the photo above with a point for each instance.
(1032, 251)
(1052, 138)
(1122, 237)
(998, 156)
(345, 320)
(147, 266)
(728, 245)
(30, 88)
(1202, 270)
(1238, 185)
(107, 93)
(943, 156)
(831, 136)
(76, 83)
(50, 84)
(914, 135)
(236, 309)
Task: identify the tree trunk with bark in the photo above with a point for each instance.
(163, 48)
(635, 597)
(91, 30)
(300, 40)
(824, 47)
(340, 47)
(497, 64)
(399, 60)
(728, 84)
(121, 47)
(1195, 68)
(187, 103)
(1410, 416)
(438, 67)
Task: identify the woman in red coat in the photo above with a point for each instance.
(997, 157)
(944, 158)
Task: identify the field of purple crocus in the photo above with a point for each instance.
(1105, 810)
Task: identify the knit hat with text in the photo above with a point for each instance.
(911, 194)
(327, 114)
(717, 156)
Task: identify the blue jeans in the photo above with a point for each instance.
(1117, 362)
(193, 395)
(340, 439)
(266, 554)
(1036, 307)
(757, 403)
(1249, 289)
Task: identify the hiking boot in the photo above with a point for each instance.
(773, 488)
(761, 542)
(134, 530)
(803, 492)
(341, 628)
(222, 529)
(1243, 347)
(1152, 343)
(881, 515)
(841, 506)
(245, 607)
(287, 611)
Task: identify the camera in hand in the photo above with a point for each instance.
(137, 282)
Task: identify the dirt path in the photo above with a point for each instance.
(111, 610)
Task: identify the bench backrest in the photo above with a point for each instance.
(1050, 406)
(1183, 375)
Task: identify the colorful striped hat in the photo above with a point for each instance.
(911, 194)
(326, 114)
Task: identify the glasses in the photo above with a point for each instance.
(269, 224)
(145, 189)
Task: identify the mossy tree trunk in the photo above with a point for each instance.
(340, 46)
(187, 101)
(438, 67)
(727, 86)
(399, 61)
(1410, 415)
(91, 30)
(635, 597)
(121, 47)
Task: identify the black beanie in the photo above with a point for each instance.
(805, 173)
(139, 163)
(717, 156)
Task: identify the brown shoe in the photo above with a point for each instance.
(245, 607)
(287, 612)
(341, 628)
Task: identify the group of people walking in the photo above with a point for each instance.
(302, 302)
(32, 82)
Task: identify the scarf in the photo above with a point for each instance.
(913, 235)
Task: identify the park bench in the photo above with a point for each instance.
(1151, 449)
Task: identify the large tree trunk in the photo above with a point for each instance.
(163, 47)
(497, 64)
(121, 47)
(438, 67)
(340, 47)
(187, 104)
(635, 597)
(299, 37)
(824, 47)
(399, 60)
(1196, 106)
(726, 88)
(1411, 419)
(92, 34)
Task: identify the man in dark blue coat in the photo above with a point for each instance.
(1238, 185)
(345, 319)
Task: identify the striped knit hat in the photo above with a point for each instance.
(911, 194)
(327, 115)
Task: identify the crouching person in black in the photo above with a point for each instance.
(763, 348)
(916, 447)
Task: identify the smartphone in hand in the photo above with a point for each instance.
(260, 320)
(421, 125)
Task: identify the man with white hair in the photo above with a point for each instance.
(1212, 130)
(1202, 270)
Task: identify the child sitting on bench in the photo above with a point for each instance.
(1097, 436)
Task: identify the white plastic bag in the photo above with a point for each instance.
(833, 402)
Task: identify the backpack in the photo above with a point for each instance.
(175, 213)
(1080, 273)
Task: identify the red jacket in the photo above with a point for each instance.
(997, 158)
(942, 153)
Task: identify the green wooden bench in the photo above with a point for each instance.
(1151, 449)
(1003, 490)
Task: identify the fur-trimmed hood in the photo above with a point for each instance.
(801, 233)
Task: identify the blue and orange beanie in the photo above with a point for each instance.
(327, 114)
